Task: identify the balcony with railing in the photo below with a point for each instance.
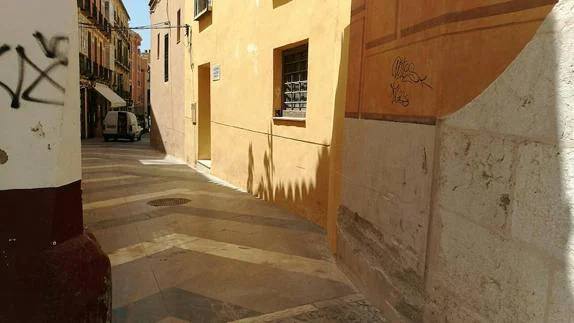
(84, 5)
(122, 30)
(94, 71)
(96, 15)
(123, 61)
(93, 14)
(125, 94)
(105, 75)
(106, 28)
(85, 66)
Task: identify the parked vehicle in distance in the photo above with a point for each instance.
(122, 125)
(143, 122)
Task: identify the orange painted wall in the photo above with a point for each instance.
(138, 70)
(415, 60)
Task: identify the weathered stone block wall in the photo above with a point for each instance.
(501, 237)
(493, 239)
(384, 218)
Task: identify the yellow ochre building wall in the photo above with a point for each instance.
(287, 162)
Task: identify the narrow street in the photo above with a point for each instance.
(187, 248)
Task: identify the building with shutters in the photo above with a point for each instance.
(138, 70)
(104, 62)
(147, 100)
(122, 51)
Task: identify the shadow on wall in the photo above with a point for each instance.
(500, 244)
(156, 138)
(334, 199)
(206, 21)
(318, 198)
(304, 197)
(279, 3)
(505, 232)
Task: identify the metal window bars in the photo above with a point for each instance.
(295, 67)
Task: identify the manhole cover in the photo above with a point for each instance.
(168, 202)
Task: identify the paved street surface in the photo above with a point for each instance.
(187, 248)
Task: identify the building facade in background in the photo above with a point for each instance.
(95, 65)
(122, 47)
(104, 62)
(138, 76)
(147, 99)
(260, 110)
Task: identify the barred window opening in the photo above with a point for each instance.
(295, 72)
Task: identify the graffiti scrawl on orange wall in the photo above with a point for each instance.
(415, 60)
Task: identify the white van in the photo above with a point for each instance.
(121, 124)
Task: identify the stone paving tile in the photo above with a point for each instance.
(352, 308)
(281, 235)
(180, 304)
(358, 311)
(116, 183)
(133, 281)
(267, 237)
(232, 269)
(117, 237)
(255, 286)
(206, 210)
(93, 175)
(172, 319)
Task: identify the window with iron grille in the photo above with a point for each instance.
(294, 86)
(166, 59)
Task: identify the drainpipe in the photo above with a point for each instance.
(51, 270)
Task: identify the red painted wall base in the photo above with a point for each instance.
(51, 270)
(68, 283)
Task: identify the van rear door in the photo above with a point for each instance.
(122, 123)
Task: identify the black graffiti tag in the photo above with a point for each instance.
(51, 49)
(399, 96)
(404, 72)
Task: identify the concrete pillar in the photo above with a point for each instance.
(51, 270)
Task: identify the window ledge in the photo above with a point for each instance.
(290, 119)
(201, 14)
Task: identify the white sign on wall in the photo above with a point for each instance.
(216, 72)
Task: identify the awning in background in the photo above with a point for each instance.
(115, 100)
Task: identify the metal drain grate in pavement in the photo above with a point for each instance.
(169, 202)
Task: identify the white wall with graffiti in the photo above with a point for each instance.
(39, 94)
